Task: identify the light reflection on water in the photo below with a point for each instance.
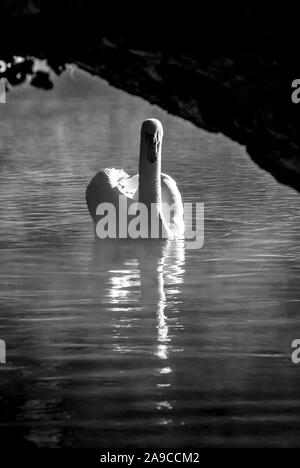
(125, 343)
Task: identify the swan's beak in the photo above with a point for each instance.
(152, 147)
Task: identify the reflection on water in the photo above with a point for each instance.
(126, 343)
(143, 280)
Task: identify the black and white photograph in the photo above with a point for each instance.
(149, 228)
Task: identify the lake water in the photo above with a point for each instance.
(141, 344)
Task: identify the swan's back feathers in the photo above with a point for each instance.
(129, 186)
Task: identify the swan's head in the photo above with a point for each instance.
(151, 138)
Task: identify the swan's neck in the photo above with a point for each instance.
(150, 180)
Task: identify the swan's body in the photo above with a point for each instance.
(150, 187)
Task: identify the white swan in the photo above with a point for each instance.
(150, 186)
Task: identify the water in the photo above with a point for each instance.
(141, 344)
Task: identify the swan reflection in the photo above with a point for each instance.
(170, 273)
(142, 291)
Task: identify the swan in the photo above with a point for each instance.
(150, 187)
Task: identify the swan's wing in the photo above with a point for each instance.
(171, 197)
(105, 187)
